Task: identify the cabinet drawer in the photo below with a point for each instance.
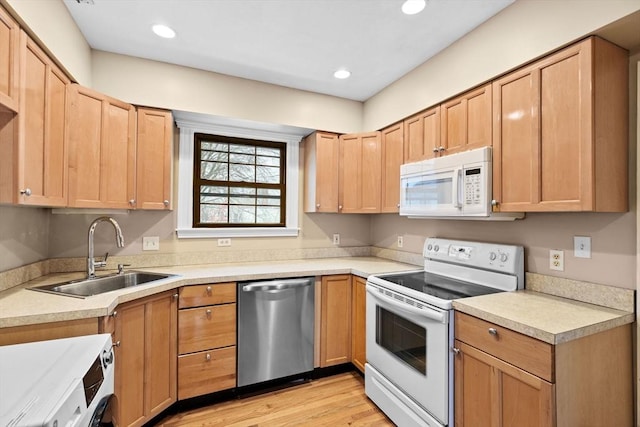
(201, 295)
(205, 328)
(206, 372)
(529, 354)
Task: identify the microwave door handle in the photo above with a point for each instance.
(456, 188)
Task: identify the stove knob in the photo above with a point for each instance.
(429, 247)
(436, 248)
(493, 256)
(503, 257)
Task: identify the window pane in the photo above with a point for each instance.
(213, 171)
(242, 173)
(213, 214)
(243, 149)
(214, 199)
(267, 175)
(268, 215)
(242, 190)
(242, 158)
(268, 161)
(242, 214)
(213, 190)
(217, 146)
(268, 192)
(242, 201)
(265, 151)
(215, 156)
(268, 202)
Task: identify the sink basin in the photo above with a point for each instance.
(87, 287)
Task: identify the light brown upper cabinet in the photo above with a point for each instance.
(154, 152)
(560, 132)
(466, 121)
(321, 163)
(35, 160)
(392, 157)
(422, 135)
(360, 173)
(9, 61)
(101, 133)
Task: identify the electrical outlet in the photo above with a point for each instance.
(581, 247)
(224, 242)
(556, 260)
(336, 239)
(400, 241)
(150, 243)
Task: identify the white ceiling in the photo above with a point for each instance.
(293, 43)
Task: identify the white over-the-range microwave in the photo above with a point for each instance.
(457, 186)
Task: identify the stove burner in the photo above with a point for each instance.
(440, 287)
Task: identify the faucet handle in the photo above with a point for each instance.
(121, 268)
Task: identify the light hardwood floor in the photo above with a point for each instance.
(338, 400)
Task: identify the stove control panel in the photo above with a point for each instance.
(491, 256)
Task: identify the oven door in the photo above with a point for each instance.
(408, 344)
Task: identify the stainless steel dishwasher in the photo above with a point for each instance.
(275, 329)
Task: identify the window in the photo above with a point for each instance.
(238, 182)
(234, 131)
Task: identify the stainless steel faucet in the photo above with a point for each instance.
(92, 264)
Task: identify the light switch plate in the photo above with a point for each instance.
(400, 241)
(336, 239)
(151, 243)
(582, 246)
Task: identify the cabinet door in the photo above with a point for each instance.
(161, 353)
(358, 322)
(9, 61)
(321, 172)
(42, 154)
(490, 392)
(360, 173)
(422, 135)
(392, 157)
(466, 121)
(101, 138)
(335, 328)
(146, 358)
(153, 154)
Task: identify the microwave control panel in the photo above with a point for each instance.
(473, 186)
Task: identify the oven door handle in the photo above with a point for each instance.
(431, 314)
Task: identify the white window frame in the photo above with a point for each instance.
(192, 123)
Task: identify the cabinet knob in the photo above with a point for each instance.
(494, 202)
(114, 314)
(208, 357)
(398, 205)
(493, 331)
(132, 202)
(318, 205)
(26, 192)
(176, 296)
(208, 312)
(455, 350)
(441, 149)
(166, 203)
(116, 344)
(208, 290)
(340, 207)
(435, 150)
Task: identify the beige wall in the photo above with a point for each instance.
(51, 23)
(523, 31)
(23, 236)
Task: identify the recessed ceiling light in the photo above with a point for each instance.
(163, 31)
(411, 7)
(342, 74)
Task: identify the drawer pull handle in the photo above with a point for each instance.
(208, 314)
(208, 357)
(493, 331)
(208, 290)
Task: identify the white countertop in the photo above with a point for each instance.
(20, 306)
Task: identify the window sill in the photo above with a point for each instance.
(202, 233)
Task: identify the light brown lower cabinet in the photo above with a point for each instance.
(504, 378)
(145, 347)
(206, 339)
(335, 330)
(358, 323)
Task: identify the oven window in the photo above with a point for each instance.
(403, 338)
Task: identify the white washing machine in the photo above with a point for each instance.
(65, 382)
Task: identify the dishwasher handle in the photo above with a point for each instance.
(276, 285)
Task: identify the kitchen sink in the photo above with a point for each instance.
(83, 288)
